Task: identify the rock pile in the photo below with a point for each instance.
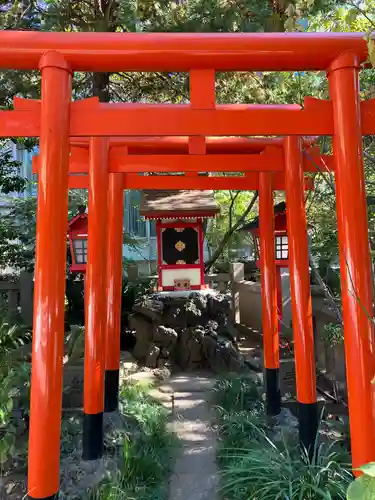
(190, 331)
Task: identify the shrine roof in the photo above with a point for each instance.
(82, 214)
(178, 204)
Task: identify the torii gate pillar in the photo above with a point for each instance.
(354, 252)
(50, 267)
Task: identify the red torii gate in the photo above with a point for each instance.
(56, 118)
(266, 154)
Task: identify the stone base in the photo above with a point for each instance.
(188, 330)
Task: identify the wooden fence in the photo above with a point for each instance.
(17, 299)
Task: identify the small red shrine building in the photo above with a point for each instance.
(77, 235)
(281, 235)
(179, 219)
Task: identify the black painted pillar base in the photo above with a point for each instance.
(92, 436)
(308, 426)
(52, 497)
(273, 394)
(111, 388)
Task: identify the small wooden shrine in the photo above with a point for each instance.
(179, 219)
(77, 235)
(281, 235)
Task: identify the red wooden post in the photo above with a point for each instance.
(269, 294)
(355, 263)
(300, 294)
(48, 332)
(95, 300)
(113, 291)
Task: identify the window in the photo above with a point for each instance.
(281, 243)
(80, 251)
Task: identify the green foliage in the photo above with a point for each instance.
(239, 409)
(234, 393)
(14, 384)
(133, 291)
(75, 343)
(363, 488)
(17, 235)
(254, 465)
(333, 334)
(267, 470)
(12, 337)
(146, 455)
(10, 180)
(232, 205)
(18, 228)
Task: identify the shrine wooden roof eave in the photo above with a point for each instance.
(178, 215)
(181, 204)
(75, 218)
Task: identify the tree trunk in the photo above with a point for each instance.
(100, 86)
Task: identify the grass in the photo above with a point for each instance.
(146, 452)
(255, 466)
(239, 407)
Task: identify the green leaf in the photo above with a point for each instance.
(352, 15)
(290, 10)
(363, 488)
(368, 469)
(289, 24)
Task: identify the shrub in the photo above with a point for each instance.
(255, 466)
(146, 450)
(14, 385)
(236, 393)
(265, 470)
(333, 334)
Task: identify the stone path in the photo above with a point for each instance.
(195, 475)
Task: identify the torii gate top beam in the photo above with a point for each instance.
(181, 51)
(183, 145)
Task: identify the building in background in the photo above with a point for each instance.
(139, 233)
(19, 153)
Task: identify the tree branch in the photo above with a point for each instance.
(227, 236)
(233, 199)
(325, 288)
(369, 157)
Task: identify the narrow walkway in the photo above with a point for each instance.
(195, 474)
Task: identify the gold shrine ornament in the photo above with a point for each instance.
(179, 246)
